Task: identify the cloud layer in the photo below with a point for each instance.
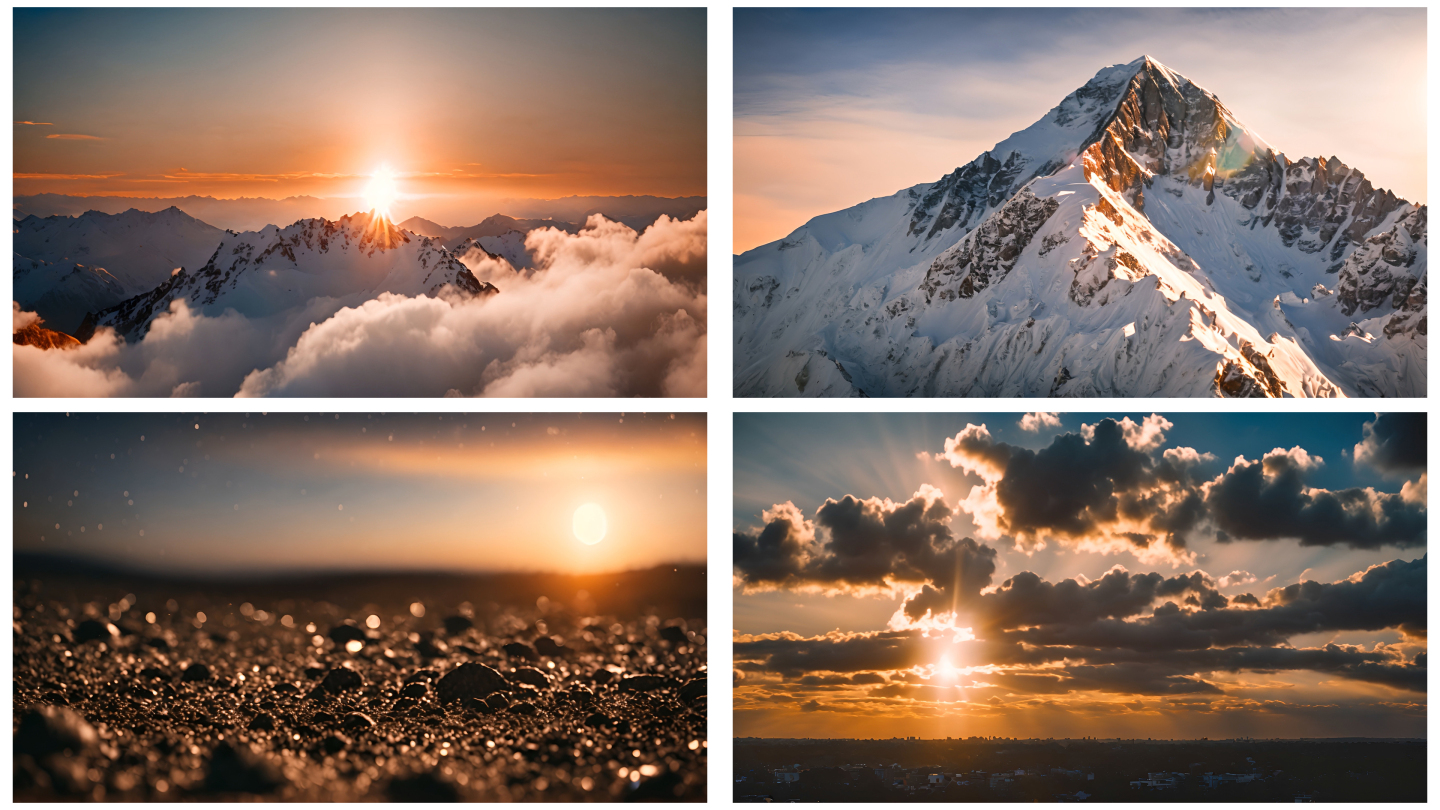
(606, 312)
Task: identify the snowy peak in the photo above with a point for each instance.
(1137, 240)
(273, 270)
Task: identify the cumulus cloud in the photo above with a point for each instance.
(1269, 500)
(866, 544)
(1036, 422)
(1102, 489)
(1394, 443)
(605, 312)
(1110, 488)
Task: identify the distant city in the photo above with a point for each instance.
(997, 769)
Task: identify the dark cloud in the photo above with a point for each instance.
(1102, 640)
(1394, 443)
(1269, 500)
(867, 543)
(1105, 483)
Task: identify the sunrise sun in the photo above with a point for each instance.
(380, 194)
(589, 524)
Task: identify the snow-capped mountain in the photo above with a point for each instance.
(63, 294)
(509, 246)
(66, 267)
(316, 262)
(137, 248)
(1138, 240)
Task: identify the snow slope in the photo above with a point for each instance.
(1137, 240)
(317, 265)
(67, 267)
(139, 249)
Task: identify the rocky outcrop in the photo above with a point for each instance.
(37, 335)
(989, 252)
(1383, 270)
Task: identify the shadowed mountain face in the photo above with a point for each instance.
(264, 273)
(410, 687)
(1137, 240)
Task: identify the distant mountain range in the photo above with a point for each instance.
(1137, 240)
(254, 213)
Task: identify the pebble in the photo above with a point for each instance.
(422, 675)
(469, 680)
(334, 743)
(548, 645)
(95, 630)
(340, 679)
(424, 787)
(581, 695)
(240, 770)
(597, 720)
(603, 676)
(357, 720)
(262, 722)
(497, 702)
(346, 632)
(693, 690)
(519, 649)
(641, 683)
(154, 674)
(525, 707)
(196, 672)
(531, 676)
(674, 634)
(431, 649)
(48, 730)
(415, 690)
(455, 625)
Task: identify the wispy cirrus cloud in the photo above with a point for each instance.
(34, 124)
(70, 136)
(49, 176)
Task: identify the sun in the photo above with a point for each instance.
(589, 524)
(380, 194)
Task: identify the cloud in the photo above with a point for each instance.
(44, 176)
(1035, 636)
(1036, 422)
(1101, 489)
(606, 312)
(34, 123)
(1268, 500)
(866, 544)
(72, 137)
(1394, 443)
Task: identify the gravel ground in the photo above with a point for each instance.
(127, 697)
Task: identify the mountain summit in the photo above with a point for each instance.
(1137, 240)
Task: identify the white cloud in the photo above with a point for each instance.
(1036, 422)
(606, 312)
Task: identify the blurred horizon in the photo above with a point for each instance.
(303, 494)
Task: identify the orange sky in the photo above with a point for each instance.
(276, 103)
(446, 492)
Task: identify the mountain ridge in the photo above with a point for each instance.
(928, 291)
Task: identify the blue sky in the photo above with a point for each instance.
(836, 106)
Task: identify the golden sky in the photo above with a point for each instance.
(457, 102)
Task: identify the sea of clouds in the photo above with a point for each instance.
(605, 312)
